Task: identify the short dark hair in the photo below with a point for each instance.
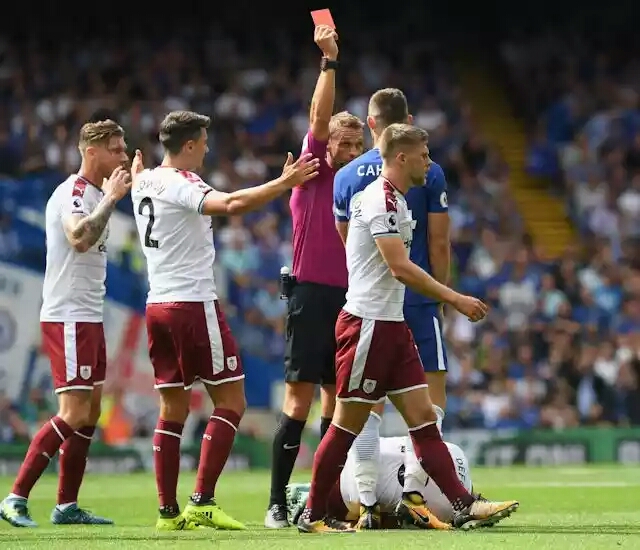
(388, 106)
(179, 127)
(400, 136)
(98, 133)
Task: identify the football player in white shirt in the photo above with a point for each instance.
(76, 216)
(189, 338)
(376, 355)
(344, 500)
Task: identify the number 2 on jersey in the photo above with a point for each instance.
(148, 203)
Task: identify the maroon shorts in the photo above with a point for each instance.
(190, 341)
(77, 353)
(375, 358)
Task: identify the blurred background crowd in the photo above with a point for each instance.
(561, 345)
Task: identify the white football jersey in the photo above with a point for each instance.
(379, 211)
(391, 478)
(177, 240)
(73, 289)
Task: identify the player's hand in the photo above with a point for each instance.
(300, 171)
(327, 40)
(118, 184)
(137, 165)
(473, 308)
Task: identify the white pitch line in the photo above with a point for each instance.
(560, 484)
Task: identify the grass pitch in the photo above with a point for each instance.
(560, 508)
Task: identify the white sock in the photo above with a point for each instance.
(13, 496)
(415, 478)
(63, 507)
(440, 414)
(367, 454)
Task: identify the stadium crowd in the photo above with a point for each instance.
(561, 345)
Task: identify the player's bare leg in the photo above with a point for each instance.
(298, 397)
(414, 475)
(329, 459)
(416, 408)
(72, 464)
(74, 407)
(229, 406)
(174, 409)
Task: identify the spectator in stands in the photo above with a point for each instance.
(9, 242)
(13, 428)
(588, 137)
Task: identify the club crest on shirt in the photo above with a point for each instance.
(368, 385)
(232, 363)
(85, 372)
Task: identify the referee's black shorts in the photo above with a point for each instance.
(311, 342)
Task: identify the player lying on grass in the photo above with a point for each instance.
(344, 500)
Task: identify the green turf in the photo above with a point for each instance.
(561, 509)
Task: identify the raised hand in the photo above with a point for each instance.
(118, 184)
(137, 164)
(327, 40)
(300, 171)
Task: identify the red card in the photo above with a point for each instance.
(323, 17)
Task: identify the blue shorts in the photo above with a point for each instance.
(424, 322)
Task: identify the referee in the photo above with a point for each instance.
(318, 286)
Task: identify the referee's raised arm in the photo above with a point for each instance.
(316, 291)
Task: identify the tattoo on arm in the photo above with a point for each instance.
(89, 228)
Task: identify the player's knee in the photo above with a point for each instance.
(229, 396)
(96, 408)
(94, 415)
(174, 404)
(75, 408)
(235, 403)
(378, 409)
(419, 416)
(351, 416)
(297, 400)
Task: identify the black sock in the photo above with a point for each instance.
(324, 426)
(286, 444)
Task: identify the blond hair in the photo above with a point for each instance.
(344, 119)
(397, 137)
(98, 133)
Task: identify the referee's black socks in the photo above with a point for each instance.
(324, 425)
(286, 444)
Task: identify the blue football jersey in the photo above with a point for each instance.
(432, 197)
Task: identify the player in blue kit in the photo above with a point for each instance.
(430, 250)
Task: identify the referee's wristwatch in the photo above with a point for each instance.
(327, 64)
